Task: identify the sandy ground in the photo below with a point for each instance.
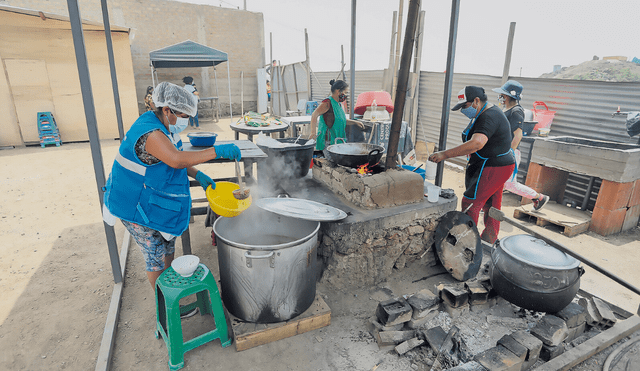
(56, 280)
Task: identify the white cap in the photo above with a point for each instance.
(175, 97)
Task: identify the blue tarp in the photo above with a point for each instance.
(187, 54)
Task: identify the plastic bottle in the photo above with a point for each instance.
(374, 111)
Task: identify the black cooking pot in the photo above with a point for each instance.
(534, 275)
(353, 154)
(286, 162)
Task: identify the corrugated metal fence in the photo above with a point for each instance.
(583, 109)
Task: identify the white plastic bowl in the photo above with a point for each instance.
(185, 265)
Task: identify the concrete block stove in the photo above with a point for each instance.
(389, 224)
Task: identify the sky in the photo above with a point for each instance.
(547, 33)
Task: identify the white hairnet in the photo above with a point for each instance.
(175, 97)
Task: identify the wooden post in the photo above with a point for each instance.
(307, 63)
(403, 78)
(387, 84)
(416, 69)
(507, 57)
(395, 76)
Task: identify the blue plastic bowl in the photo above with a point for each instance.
(202, 139)
(420, 171)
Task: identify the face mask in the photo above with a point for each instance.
(181, 124)
(342, 97)
(501, 100)
(470, 112)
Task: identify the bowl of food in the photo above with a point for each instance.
(202, 139)
(185, 265)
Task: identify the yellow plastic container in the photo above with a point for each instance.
(222, 201)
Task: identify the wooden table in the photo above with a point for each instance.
(250, 155)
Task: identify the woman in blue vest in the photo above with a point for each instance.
(148, 188)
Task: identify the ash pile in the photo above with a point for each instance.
(467, 326)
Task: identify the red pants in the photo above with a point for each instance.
(489, 194)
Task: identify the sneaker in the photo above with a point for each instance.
(190, 313)
(539, 204)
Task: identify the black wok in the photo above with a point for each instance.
(354, 154)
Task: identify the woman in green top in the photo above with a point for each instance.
(331, 117)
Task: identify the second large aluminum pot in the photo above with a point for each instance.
(534, 275)
(268, 265)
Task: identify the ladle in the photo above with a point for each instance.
(240, 194)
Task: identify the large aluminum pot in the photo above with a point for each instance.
(354, 154)
(534, 275)
(268, 265)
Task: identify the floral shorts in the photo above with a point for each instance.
(153, 246)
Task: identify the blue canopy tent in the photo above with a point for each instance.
(189, 54)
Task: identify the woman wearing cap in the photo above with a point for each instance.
(148, 188)
(331, 117)
(510, 95)
(487, 142)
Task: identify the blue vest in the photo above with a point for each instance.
(156, 196)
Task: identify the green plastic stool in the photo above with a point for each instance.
(170, 288)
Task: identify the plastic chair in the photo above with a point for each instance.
(170, 288)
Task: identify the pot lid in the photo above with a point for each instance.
(300, 208)
(537, 252)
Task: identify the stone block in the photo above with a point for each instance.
(408, 345)
(478, 294)
(634, 198)
(420, 323)
(469, 366)
(422, 303)
(514, 346)
(435, 336)
(573, 315)
(608, 318)
(375, 325)
(592, 316)
(514, 323)
(549, 352)
(454, 313)
(393, 311)
(574, 332)
(454, 295)
(499, 358)
(532, 343)
(605, 222)
(631, 218)
(393, 337)
(613, 195)
(551, 330)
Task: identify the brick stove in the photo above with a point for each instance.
(389, 222)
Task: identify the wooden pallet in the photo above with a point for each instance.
(249, 335)
(572, 220)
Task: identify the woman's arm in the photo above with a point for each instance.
(517, 137)
(320, 110)
(161, 147)
(475, 144)
(355, 122)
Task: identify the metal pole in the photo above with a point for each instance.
(241, 92)
(229, 83)
(507, 57)
(271, 70)
(448, 82)
(353, 60)
(394, 78)
(153, 82)
(307, 63)
(403, 82)
(387, 84)
(112, 67)
(92, 127)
